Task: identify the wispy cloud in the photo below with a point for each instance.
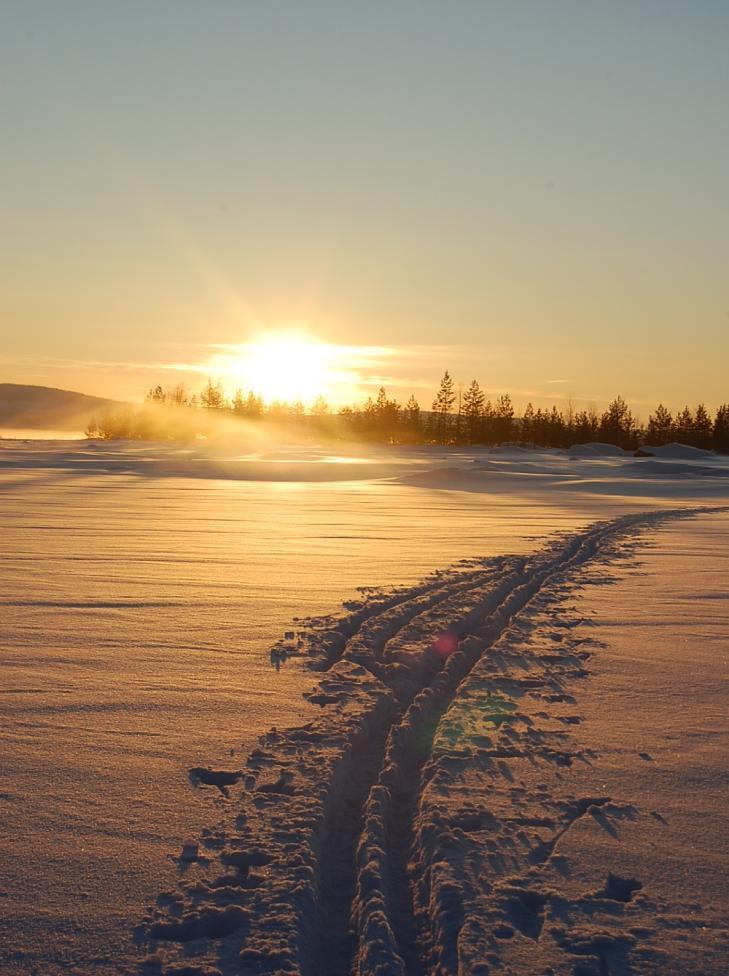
(346, 373)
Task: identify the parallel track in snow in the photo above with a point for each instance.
(310, 872)
(384, 889)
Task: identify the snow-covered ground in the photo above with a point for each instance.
(142, 589)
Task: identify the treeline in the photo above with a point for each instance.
(456, 417)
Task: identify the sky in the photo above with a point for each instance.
(532, 194)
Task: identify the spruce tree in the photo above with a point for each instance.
(411, 421)
(685, 426)
(557, 428)
(720, 436)
(660, 426)
(702, 428)
(473, 403)
(617, 425)
(386, 417)
(444, 400)
(503, 418)
(526, 435)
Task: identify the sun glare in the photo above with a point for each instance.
(283, 366)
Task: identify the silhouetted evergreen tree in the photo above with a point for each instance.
(458, 424)
(411, 421)
(540, 428)
(442, 406)
(684, 426)
(703, 428)
(526, 429)
(487, 429)
(617, 425)
(473, 404)
(586, 426)
(503, 419)
(557, 429)
(720, 436)
(382, 418)
(660, 426)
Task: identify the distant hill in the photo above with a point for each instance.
(43, 407)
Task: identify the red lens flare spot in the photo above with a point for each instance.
(445, 644)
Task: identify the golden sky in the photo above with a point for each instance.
(531, 194)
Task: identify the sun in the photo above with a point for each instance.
(282, 366)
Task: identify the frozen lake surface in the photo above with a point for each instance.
(138, 606)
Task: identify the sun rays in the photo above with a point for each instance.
(293, 364)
